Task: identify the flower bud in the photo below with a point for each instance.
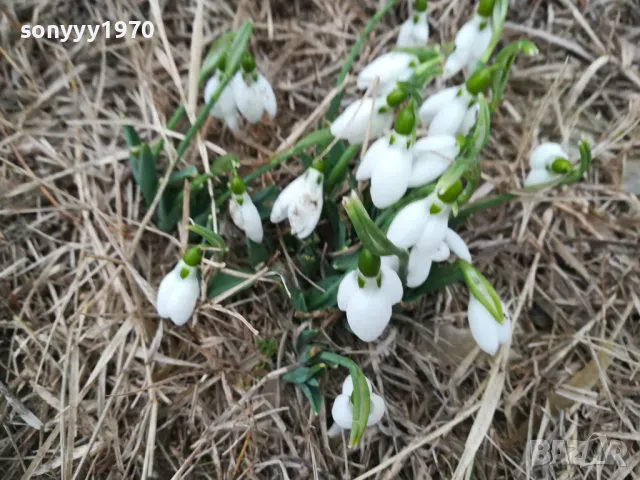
(479, 81)
(405, 121)
(368, 263)
(561, 165)
(485, 8)
(396, 97)
(421, 5)
(248, 62)
(237, 185)
(319, 165)
(450, 195)
(192, 256)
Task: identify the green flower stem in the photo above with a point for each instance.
(332, 113)
(171, 124)
(340, 166)
(469, 210)
(319, 137)
(498, 18)
(360, 398)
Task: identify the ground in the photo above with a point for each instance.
(123, 395)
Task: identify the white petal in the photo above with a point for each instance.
(540, 176)
(483, 326)
(467, 36)
(424, 172)
(348, 286)
(304, 212)
(419, 267)
(391, 261)
(481, 41)
(290, 192)
(441, 254)
(389, 69)
(407, 226)
(352, 124)
(545, 153)
(225, 105)
(232, 121)
(390, 178)
(414, 34)
(432, 156)
(166, 289)
(449, 120)
(457, 245)
(374, 154)
(247, 98)
(391, 285)
(236, 212)
(342, 412)
(267, 96)
(434, 231)
(437, 102)
(504, 330)
(470, 119)
(376, 410)
(455, 63)
(368, 313)
(251, 219)
(183, 298)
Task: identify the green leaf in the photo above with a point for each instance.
(346, 263)
(221, 282)
(176, 179)
(338, 227)
(211, 237)
(319, 300)
(303, 374)
(257, 253)
(313, 395)
(223, 164)
(133, 142)
(482, 290)
(148, 178)
(298, 301)
(216, 51)
(306, 159)
(305, 338)
(441, 275)
(237, 47)
(264, 199)
(308, 261)
(268, 347)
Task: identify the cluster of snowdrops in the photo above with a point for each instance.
(420, 159)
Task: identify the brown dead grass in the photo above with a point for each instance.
(116, 394)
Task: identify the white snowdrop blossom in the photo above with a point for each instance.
(387, 69)
(225, 107)
(545, 160)
(301, 202)
(414, 32)
(244, 213)
(449, 112)
(388, 164)
(422, 227)
(432, 155)
(253, 95)
(470, 44)
(342, 410)
(353, 123)
(367, 294)
(180, 289)
(486, 331)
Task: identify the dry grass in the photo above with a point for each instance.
(120, 395)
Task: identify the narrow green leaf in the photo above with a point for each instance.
(133, 142)
(346, 263)
(319, 300)
(211, 237)
(221, 282)
(216, 51)
(306, 337)
(148, 178)
(303, 374)
(441, 275)
(298, 301)
(257, 253)
(264, 199)
(237, 47)
(480, 288)
(314, 396)
(176, 179)
(338, 227)
(223, 164)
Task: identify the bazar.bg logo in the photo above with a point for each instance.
(598, 450)
(75, 33)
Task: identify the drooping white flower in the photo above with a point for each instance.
(387, 69)
(548, 163)
(414, 32)
(432, 155)
(180, 289)
(388, 164)
(342, 410)
(244, 213)
(225, 107)
(447, 112)
(254, 95)
(367, 294)
(301, 202)
(471, 42)
(486, 331)
(353, 123)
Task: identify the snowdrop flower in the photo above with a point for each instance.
(448, 111)
(486, 331)
(389, 160)
(342, 410)
(180, 289)
(301, 201)
(367, 295)
(352, 124)
(414, 32)
(387, 69)
(225, 108)
(432, 155)
(243, 212)
(253, 92)
(472, 40)
(549, 162)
